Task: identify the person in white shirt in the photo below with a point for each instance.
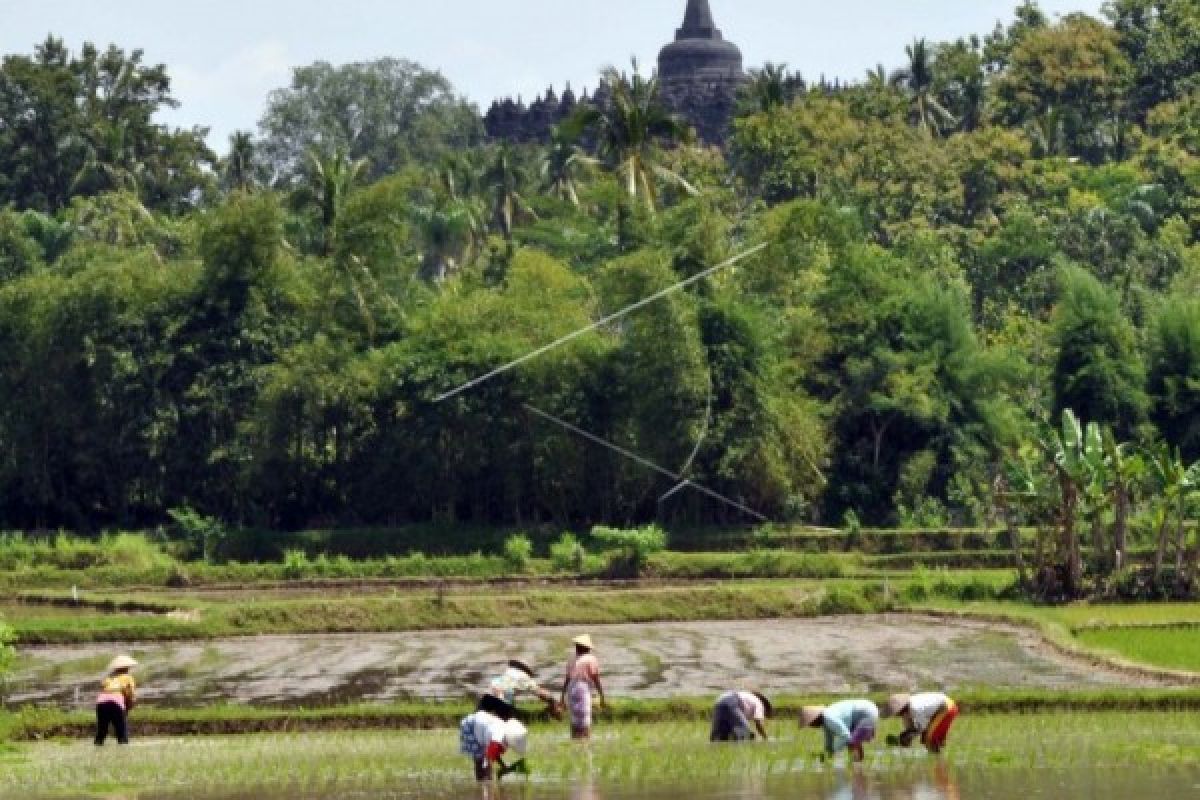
(484, 738)
(735, 712)
(928, 715)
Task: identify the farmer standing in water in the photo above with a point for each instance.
(583, 675)
(118, 694)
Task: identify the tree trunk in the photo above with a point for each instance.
(1180, 540)
(1120, 529)
(1164, 532)
(1099, 550)
(1070, 540)
(1000, 491)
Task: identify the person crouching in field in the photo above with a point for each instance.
(583, 675)
(929, 715)
(485, 738)
(118, 694)
(848, 725)
(734, 713)
(516, 680)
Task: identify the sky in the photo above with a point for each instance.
(225, 56)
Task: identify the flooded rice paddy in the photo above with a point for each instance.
(1100, 756)
(831, 655)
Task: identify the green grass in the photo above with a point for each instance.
(669, 756)
(254, 611)
(1170, 648)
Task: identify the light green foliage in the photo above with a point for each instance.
(387, 111)
(629, 551)
(518, 550)
(203, 534)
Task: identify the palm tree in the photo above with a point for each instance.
(239, 169)
(450, 236)
(561, 164)
(769, 88)
(917, 81)
(328, 181)
(628, 132)
(504, 178)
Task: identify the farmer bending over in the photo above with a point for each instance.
(516, 680)
(733, 714)
(929, 715)
(848, 725)
(118, 694)
(484, 737)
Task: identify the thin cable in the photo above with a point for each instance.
(591, 437)
(541, 351)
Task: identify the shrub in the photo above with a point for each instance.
(629, 550)
(8, 658)
(203, 534)
(568, 554)
(296, 565)
(518, 552)
(133, 551)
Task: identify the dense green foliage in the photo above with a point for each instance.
(956, 254)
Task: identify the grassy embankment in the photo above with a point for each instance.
(42, 723)
(674, 756)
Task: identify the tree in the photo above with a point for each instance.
(450, 235)
(1161, 38)
(1174, 375)
(769, 88)
(917, 81)
(504, 179)
(241, 169)
(1075, 74)
(629, 129)
(562, 165)
(328, 180)
(84, 125)
(1097, 371)
(1075, 451)
(389, 112)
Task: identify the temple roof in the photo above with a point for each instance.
(698, 22)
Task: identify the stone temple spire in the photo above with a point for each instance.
(698, 22)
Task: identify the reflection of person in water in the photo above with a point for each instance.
(858, 788)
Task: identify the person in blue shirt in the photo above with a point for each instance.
(848, 725)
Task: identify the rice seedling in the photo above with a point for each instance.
(629, 761)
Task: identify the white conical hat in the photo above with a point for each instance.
(121, 662)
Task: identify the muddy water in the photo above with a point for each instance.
(834, 655)
(937, 784)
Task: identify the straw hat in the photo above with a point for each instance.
(584, 641)
(121, 662)
(810, 714)
(518, 664)
(896, 704)
(516, 737)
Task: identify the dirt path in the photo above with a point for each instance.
(835, 655)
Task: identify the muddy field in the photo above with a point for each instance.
(834, 655)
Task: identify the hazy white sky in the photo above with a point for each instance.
(225, 55)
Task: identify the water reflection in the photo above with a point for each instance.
(939, 784)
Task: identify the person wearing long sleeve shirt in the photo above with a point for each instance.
(929, 715)
(848, 725)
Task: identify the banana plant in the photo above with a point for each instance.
(1125, 470)
(1177, 484)
(1077, 453)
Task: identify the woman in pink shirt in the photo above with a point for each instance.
(583, 674)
